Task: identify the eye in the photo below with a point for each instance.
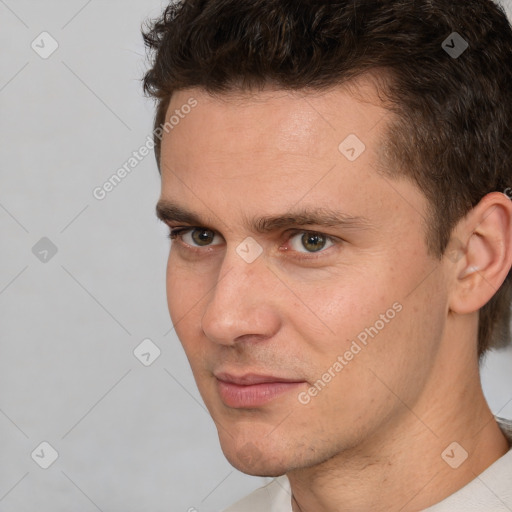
(195, 237)
(312, 241)
(301, 242)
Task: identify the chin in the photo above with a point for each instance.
(262, 467)
(255, 459)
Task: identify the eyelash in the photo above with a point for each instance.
(176, 233)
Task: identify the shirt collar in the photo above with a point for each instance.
(490, 490)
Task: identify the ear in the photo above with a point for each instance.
(481, 253)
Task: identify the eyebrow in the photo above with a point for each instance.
(167, 211)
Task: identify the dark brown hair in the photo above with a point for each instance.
(452, 132)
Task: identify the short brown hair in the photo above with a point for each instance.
(452, 134)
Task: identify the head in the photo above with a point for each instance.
(349, 199)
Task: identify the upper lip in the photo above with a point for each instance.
(252, 378)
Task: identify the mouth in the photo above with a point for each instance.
(253, 390)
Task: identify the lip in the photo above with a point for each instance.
(253, 390)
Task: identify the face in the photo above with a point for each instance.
(298, 288)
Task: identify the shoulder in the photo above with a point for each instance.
(273, 497)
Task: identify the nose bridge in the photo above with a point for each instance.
(235, 278)
(239, 302)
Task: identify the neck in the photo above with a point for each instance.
(401, 466)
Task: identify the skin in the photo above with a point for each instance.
(373, 438)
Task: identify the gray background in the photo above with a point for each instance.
(129, 437)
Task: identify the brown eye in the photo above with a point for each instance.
(313, 242)
(202, 237)
(195, 237)
(308, 242)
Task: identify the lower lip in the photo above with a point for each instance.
(255, 395)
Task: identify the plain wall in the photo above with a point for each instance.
(129, 437)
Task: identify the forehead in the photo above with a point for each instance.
(306, 123)
(273, 130)
(274, 149)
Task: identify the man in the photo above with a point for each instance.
(335, 177)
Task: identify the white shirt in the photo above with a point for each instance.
(490, 491)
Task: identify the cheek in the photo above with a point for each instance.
(365, 316)
(184, 292)
(183, 304)
(333, 311)
(388, 341)
(174, 289)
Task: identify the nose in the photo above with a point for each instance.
(242, 305)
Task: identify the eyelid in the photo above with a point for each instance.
(178, 232)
